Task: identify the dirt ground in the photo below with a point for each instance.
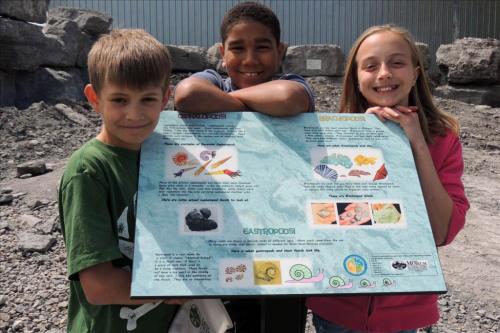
(471, 263)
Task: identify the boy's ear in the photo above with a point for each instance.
(91, 97)
(166, 96)
(282, 47)
(221, 51)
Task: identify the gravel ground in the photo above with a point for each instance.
(33, 286)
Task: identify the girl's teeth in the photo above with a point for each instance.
(383, 89)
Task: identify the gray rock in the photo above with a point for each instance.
(6, 190)
(425, 53)
(6, 199)
(187, 58)
(4, 225)
(35, 243)
(29, 221)
(18, 325)
(72, 115)
(7, 88)
(64, 40)
(49, 85)
(37, 203)
(312, 60)
(473, 94)
(46, 227)
(36, 167)
(470, 60)
(86, 44)
(25, 10)
(214, 58)
(3, 300)
(20, 45)
(89, 21)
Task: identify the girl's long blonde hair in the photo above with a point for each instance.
(432, 121)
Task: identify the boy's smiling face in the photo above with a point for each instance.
(251, 54)
(129, 116)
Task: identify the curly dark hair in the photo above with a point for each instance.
(250, 11)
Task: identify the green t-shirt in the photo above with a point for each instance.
(97, 212)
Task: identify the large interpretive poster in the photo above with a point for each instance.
(234, 204)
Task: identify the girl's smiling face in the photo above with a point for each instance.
(385, 69)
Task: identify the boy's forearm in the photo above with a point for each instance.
(105, 284)
(197, 95)
(276, 98)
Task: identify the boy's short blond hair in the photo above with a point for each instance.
(131, 58)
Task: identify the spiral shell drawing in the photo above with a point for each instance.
(326, 172)
(299, 272)
(365, 283)
(207, 154)
(336, 281)
(387, 282)
(267, 272)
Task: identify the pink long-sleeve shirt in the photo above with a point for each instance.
(403, 312)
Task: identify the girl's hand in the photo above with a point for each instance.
(405, 116)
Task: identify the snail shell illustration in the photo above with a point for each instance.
(365, 283)
(336, 281)
(387, 282)
(299, 272)
(207, 154)
(268, 272)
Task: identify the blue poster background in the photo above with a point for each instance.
(246, 204)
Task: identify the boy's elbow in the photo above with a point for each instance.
(96, 295)
(185, 94)
(294, 99)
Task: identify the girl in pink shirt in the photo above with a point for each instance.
(384, 76)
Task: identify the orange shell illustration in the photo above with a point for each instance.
(180, 158)
(381, 173)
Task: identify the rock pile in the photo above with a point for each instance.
(471, 70)
(45, 61)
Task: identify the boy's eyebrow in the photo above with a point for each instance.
(263, 40)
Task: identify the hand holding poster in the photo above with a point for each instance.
(246, 204)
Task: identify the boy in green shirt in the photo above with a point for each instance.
(129, 73)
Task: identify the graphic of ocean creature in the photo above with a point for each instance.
(365, 283)
(365, 160)
(388, 282)
(337, 159)
(326, 172)
(203, 167)
(219, 163)
(338, 282)
(180, 158)
(181, 171)
(381, 173)
(232, 174)
(386, 213)
(199, 220)
(358, 173)
(302, 274)
(325, 213)
(132, 315)
(267, 272)
(207, 155)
